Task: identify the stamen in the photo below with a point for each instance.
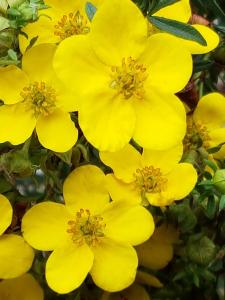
(71, 24)
(129, 78)
(197, 135)
(86, 228)
(39, 98)
(150, 180)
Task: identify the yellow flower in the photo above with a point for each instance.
(124, 81)
(16, 256)
(158, 251)
(156, 176)
(88, 234)
(61, 20)
(34, 97)
(181, 11)
(24, 287)
(206, 125)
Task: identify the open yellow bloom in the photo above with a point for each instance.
(24, 287)
(181, 11)
(125, 81)
(61, 20)
(34, 97)
(154, 176)
(206, 125)
(16, 256)
(88, 234)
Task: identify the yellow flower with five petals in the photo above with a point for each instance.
(88, 234)
(124, 81)
(35, 98)
(61, 20)
(154, 177)
(16, 256)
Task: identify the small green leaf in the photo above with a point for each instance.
(179, 29)
(159, 4)
(210, 164)
(90, 10)
(222, 203)
(4, 23)
(66, 156)
(12, 54)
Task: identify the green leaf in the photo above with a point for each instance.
(210, 164)
(222, 203)
(179, 29)
(66, 156)
(4, 23)
(12, 54)
(215, 149)
(158, 4)
(90, 10)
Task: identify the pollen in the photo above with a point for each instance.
(39, 98)
(129, 78)
(150, 180)
(197, 135)
(71, 24)
(86, 228)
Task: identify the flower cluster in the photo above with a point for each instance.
(102, 73)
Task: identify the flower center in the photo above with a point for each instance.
(129, 78)
(40, 98)
(86, 228)
(71, 24)
(197, 135)
(150, 180)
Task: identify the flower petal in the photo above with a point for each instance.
(12, 76)
(24, 287)
(74, 58)
(164, 57)
(16, 122)
(165, 160)
(181, 181)
(114, 266)
(44, 226)
(210, 111)
(161, 114)
(113, 119)
(148, 279)
(85, 188)
(128, 223)
(217, 137)
(154, 255)
(179, 11)
(43, 29)
(37, 63)
(211, 37)
(120, 190)
(119, 30)
(6, 213)
(124, 162)
(68, 266)
(57, 131)
(16, 257)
